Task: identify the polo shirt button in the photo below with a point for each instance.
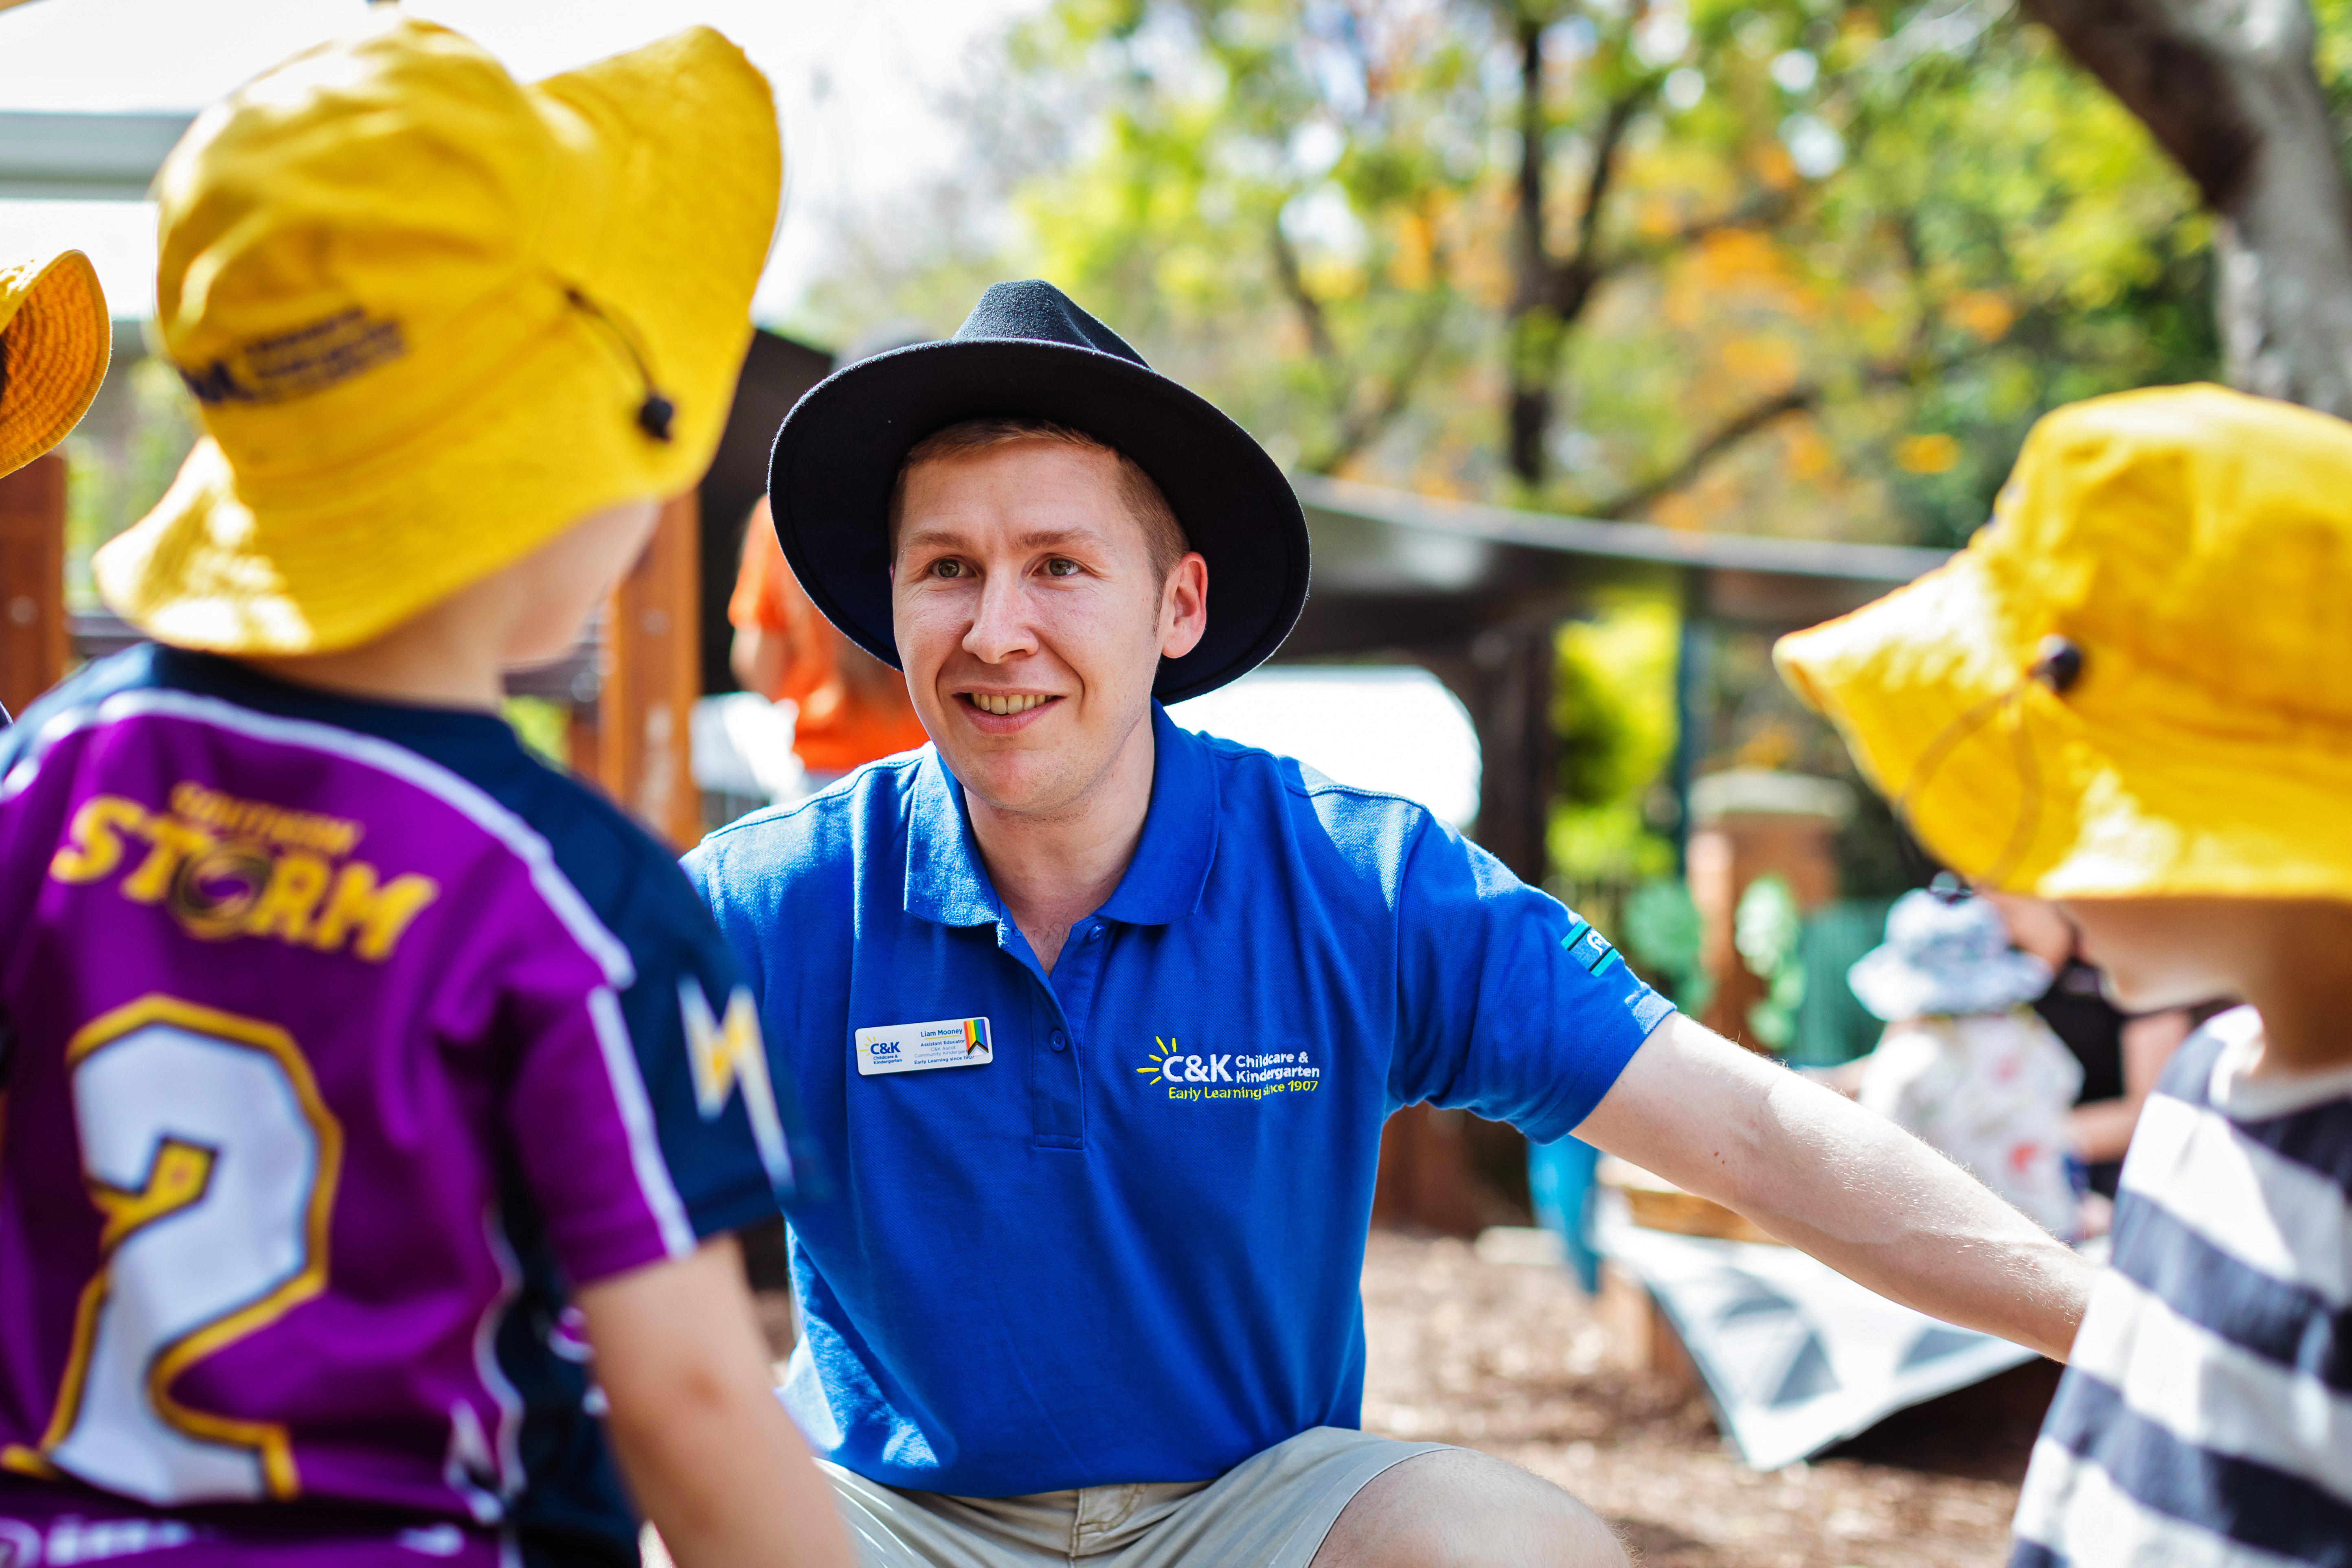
(1094, 933)
(1059, 1041)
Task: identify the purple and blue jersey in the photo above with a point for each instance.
(341, 1041)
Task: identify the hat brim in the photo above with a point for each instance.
(1892, 987)
(2138, 782)
(528, 426)
(55, 345)
(839, 451)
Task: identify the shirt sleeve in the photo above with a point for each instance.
(1512, 1006)
(651, 1118)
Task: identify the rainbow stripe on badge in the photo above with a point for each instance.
(975, 1036)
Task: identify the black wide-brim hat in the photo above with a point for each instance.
(1026, 351)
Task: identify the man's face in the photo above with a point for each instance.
(1030, 620)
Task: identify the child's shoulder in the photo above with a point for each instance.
(75, 702)
(628, 878)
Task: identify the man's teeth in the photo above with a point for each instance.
(991, 702)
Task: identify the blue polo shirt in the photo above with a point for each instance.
(1117, 1236)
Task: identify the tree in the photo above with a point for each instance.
(2230, 89)
(1799, 268)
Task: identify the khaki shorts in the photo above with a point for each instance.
(1270, 1511)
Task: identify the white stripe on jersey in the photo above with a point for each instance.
(2271, 1214)
(2075, 1511)
(2210, 1394)
(638, 1118)
(555, 888)
(508, 1443)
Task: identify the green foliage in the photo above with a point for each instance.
(1662, 939)
(1613, 714)
(121, 461)
(1767, 929)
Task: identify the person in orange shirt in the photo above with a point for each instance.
(853, 707)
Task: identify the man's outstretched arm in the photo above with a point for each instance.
(1841, 1182)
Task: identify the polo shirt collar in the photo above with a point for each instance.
(947, 883)
(1170, 869)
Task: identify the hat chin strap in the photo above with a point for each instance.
(656, 413)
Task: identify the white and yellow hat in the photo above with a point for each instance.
(433, 317)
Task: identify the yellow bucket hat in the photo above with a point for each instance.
(2137, 681)
(54, 341)
(433, 317)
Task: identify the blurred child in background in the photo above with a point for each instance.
(849, 707)
(1965, 1063)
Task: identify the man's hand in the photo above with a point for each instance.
(1841, 1182)
(711, 1456)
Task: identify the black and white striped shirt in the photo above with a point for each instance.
(2205, 1418)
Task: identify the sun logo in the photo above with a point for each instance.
(1165, 1065)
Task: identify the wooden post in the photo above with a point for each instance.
(1749, 824)
(33, 634)
(653, 676)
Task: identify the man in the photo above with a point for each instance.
(1103, 1018)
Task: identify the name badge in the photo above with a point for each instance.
(919, 1048)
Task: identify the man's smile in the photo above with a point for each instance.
(1001, 712)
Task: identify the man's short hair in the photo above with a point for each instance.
(1162, 534)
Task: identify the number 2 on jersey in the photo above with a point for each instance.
(213, 1160)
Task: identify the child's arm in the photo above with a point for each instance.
(709, 1455)
(2103, 1128)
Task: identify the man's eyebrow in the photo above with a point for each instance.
(927, 535)
(1046, 537)
(933, 534)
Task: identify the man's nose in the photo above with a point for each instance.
(999, 625)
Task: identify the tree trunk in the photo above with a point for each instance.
(1531, 333)
(2228, 88)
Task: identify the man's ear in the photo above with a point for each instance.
(1185, 605)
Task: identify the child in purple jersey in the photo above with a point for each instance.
(367, 1084)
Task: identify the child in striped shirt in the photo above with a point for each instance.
(2132, 695)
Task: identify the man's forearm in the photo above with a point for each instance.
(1841, 1182)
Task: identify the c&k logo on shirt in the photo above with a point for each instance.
(1190, 1075)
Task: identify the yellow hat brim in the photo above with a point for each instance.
(2135, 783)
(502, 436)
(54, 339)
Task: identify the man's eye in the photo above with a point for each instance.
(1061, 566)
(947, 568)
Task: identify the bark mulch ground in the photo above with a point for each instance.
(1505, 1357)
